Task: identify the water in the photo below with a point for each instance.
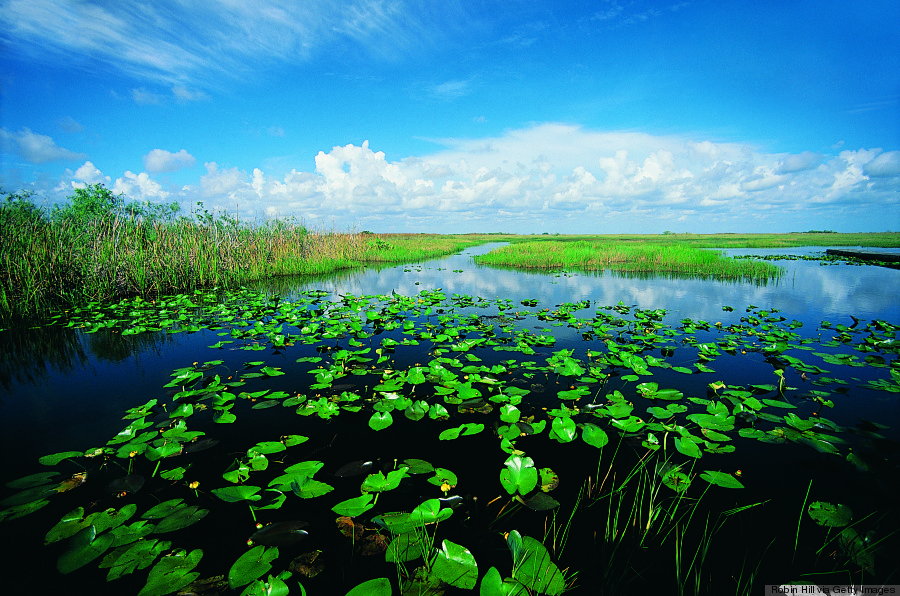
(64, 389)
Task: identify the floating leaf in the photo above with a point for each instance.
(455, 565)
(519, 475)
(378, 482)
(355, 506)
(233, 494)
(540, 501)
(832, 516)
(380, 420)
(52, 460)
(373, 587)
(687, 447)
(32, 481)
(251, 565)
(180, 518)
(594, 435)
(307, 488)
(563, 430)
(281, 533)
(84, 547)
(721, 479)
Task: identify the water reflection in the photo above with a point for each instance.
(50, 375)
(807, 290)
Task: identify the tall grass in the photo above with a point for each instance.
(598, 254)
(50, 260)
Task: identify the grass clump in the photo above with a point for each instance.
(97, 247)
(599, 253)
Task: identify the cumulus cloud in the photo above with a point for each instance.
(88, 174)
(160, 160)
(35, 148)
(886, 164)
(797, 163)
(140, 187)
(559, 177)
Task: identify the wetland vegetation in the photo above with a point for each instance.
(98, 247)
(429, 442)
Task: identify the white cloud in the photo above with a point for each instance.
(184, 94)
(886, 164)
(797, 163)
(35, 148)
(160, 42)
(140, 187)
(561, 178)
(451, 89)
(160, 160)
(88, 174)
(143, 97)
(68, 124)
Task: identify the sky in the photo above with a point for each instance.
(607, 116)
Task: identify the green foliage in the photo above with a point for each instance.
(100, 247)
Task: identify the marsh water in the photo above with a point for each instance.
(64, 389)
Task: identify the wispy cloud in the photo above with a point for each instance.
(874, 106)
(451, 89)
(68, 124)
(160, 42)
(35, 148)
(619, 13)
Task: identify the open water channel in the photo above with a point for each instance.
(794, 385)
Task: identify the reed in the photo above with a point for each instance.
(65, 258)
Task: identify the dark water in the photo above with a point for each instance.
(67, 390)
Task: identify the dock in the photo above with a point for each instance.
(867, 255)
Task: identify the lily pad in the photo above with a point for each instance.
(172, 573)
(832, 516)
(251, 565)
(455, 565)
(281, 533)
(721, 479)
(84, 547)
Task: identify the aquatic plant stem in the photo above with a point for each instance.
(800, 519)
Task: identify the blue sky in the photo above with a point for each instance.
(608, 116)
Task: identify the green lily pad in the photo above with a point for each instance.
(594, 435)
(687, 447)
(721, 479)
(832, 516)
(233, 494)
(380, 420)
(172, 573)
(374, 587)
(519, 475)
(355, 506)
(455, 565)
(84, 547)
(251, 565)
(55, 458)
(180, 518)
(563, 430)
(32, 481)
